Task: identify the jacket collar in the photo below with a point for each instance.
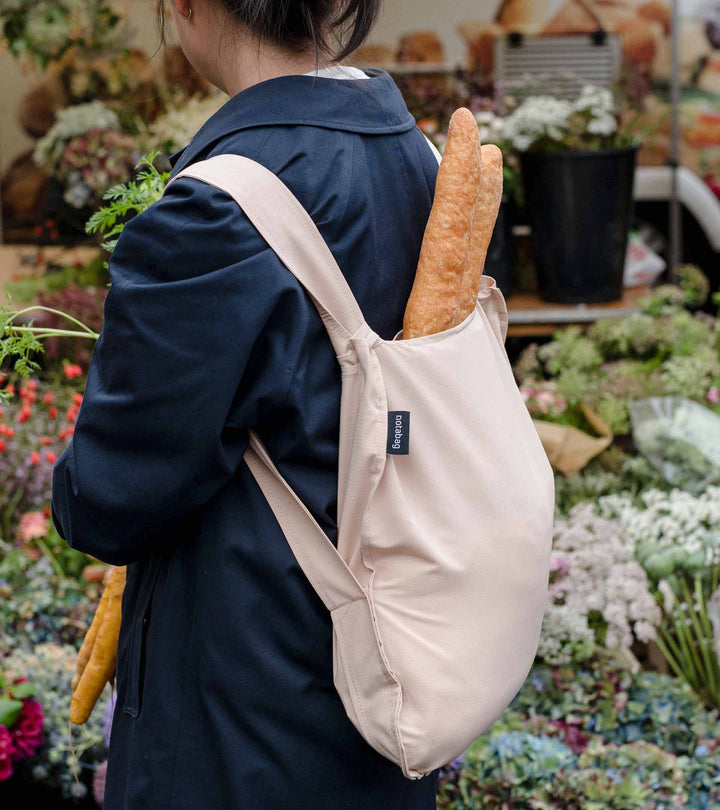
(373, 106)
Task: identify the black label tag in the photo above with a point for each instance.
(398, 441)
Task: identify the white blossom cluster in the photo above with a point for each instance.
(595, 570)
(174, 129)
(670, 520)
(69, 123)
(541, 117)
(599, 104)
(535, 118)
(490, 126)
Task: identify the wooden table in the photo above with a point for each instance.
(530, 316)
(20, 261)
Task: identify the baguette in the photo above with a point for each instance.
(485, 212)
(435, 296)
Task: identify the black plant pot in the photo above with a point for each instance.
(499, 259)
(579, 206)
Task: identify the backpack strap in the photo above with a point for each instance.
(267, 201)
(291, 233)
(319, 559)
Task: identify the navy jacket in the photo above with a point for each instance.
(224, 677)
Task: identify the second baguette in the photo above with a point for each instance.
(435, 296)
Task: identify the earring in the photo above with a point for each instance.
(186, 16)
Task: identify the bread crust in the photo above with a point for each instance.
(484, 217)
(435, 296)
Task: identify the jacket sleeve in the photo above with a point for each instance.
(196, 346)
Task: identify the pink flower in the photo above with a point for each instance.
(32, 525)
(713, 395)
(27, 731)
(544, 400)
(559, 563)
(7, 750)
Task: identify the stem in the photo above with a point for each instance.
(687, 653)
(713, 669)
(672, 643)
(41, 331)
(53, 559)
(668, 656)
(57, 312)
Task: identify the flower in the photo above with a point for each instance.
(27, 731)
(713, 395)
(32, 525)
(7, 752)
(72, 370)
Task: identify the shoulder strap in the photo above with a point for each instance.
(319, 559)
(290, 231)
(267, 201)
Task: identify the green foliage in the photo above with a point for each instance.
(612, 471)
(131, 198)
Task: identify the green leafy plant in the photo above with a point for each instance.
(132, 197)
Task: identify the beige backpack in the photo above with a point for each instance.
(438, 584)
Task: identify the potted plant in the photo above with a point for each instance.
(577, 167)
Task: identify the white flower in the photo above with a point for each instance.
(175, 129)
(602, 577)
(69, 123)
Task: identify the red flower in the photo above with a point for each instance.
(2, 444)
(38, 230)
(71, 413)
(27, 731)
(53, 412)
(77, 398)
(35, 457)
(3, 429)
(7, 750)
(10, 432)
(10, 388)
(48, 398)
(45, 440)
(32, 385)
(63, 434)
(72, 370)
(50, 456)
(47, 511)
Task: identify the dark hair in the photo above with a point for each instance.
(295, 25)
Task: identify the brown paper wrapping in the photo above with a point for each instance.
(568, 448)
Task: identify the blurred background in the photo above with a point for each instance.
(606, 248)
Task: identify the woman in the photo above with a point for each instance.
(225, 695)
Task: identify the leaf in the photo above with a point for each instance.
(9, 711)
(22, 691)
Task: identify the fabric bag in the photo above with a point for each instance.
(438, 584)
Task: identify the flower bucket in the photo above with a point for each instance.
(579, 206)
(499, 260)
